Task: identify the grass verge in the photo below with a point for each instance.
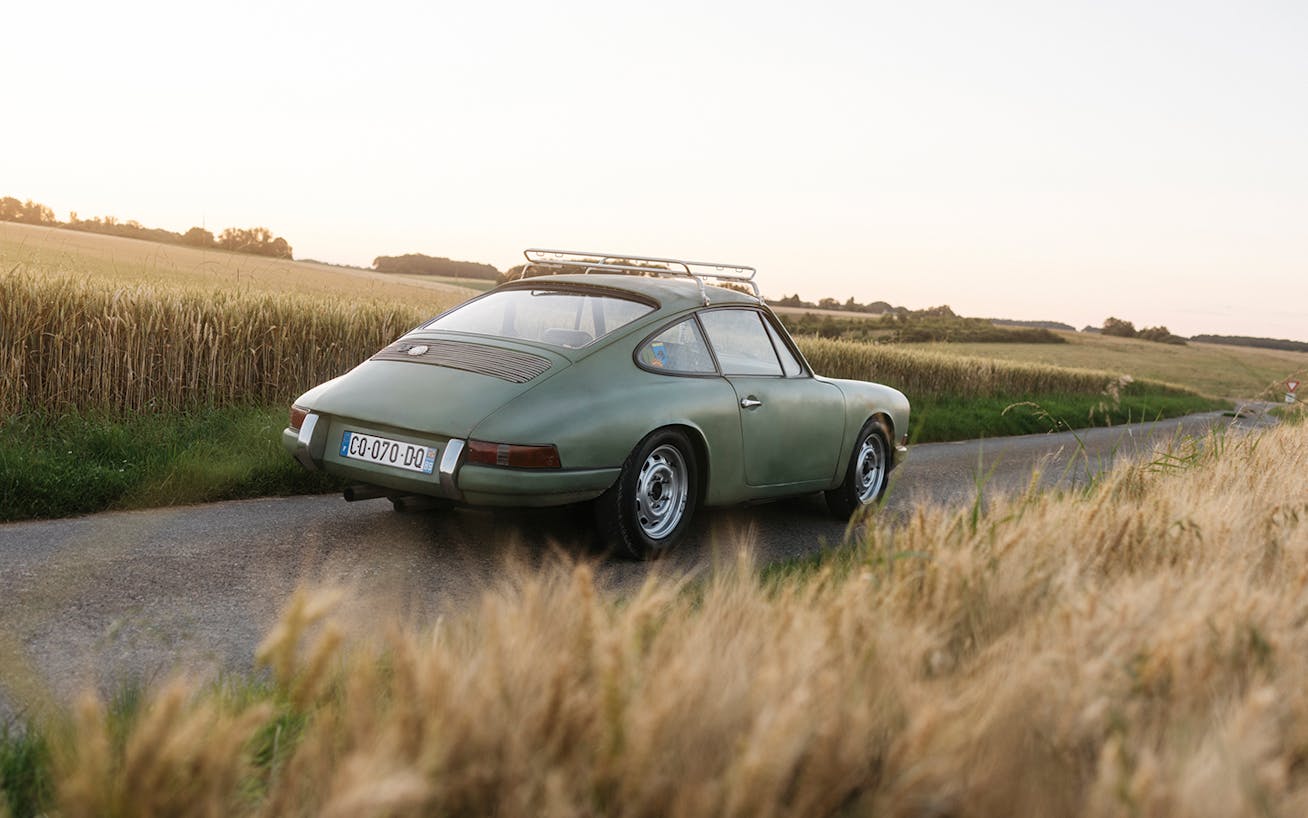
(60, 466)
(76, 464)
(938, 419)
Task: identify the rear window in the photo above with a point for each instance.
(561, 318)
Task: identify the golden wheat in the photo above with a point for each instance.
(923, 373)
(71, 345)
(1137, 648)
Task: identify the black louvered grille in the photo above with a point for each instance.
(506, 364)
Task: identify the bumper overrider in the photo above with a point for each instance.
(315, 445)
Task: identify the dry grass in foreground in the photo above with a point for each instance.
(1138, 649)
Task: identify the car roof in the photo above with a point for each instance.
(673, 293)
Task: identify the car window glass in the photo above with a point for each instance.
(788, 361)
(741, 342)
(679, 348)
(562, 318)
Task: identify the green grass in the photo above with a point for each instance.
(62, 466)
(26, 780)
(1293, 414)
(940, 419)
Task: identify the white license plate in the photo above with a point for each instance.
(383, 450)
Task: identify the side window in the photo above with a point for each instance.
(741, 342)
(678, 349)
(788, 361)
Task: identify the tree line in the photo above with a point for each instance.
(1125, 329)
(259, 241)
(422, 265)
(875, 307)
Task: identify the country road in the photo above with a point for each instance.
(122, 596)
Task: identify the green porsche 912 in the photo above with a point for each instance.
(629, 381)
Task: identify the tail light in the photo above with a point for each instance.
(298, 414)
(513, 455)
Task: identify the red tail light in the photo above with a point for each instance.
(513, 456)
(298, 414)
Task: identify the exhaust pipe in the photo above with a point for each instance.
(418, 502)
(353, 494)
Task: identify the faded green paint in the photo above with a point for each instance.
(595, 404)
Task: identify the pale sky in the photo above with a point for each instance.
(1063, 161)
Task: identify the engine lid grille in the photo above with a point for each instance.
(505, 364)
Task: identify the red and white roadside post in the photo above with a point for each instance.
(1290, 388)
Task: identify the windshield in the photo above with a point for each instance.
(561, 318)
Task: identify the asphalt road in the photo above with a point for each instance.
(123, 596)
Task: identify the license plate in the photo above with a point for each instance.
(383, 450)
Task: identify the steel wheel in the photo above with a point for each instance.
(870, 467)
(866, 474)
(649, 507)
(661, 490)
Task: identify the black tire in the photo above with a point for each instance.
(867, 474)
(648, 510)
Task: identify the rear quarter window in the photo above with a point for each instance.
(678, 349)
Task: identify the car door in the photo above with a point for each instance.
(791, 423)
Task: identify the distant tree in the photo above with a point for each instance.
(198, 237)
(1160, 335)
(828, 304)
(256, 240)
(1118, 328)
(28, 212)
(943, 311)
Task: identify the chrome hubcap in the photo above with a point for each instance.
(661, 490)
(870, 468)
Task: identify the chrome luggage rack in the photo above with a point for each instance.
(700, 271)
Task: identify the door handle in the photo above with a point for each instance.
(750, 403)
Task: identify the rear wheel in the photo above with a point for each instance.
(867, 474)
(647, 511)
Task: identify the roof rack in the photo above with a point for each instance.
(645, 265)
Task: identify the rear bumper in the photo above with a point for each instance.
(468, 483)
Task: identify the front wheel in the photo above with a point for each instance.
(867, 474)
(649, 508)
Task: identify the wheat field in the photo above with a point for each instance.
(937, 373)
(123, 262)
(1137, 648)
(78, 344)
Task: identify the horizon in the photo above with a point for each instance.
(1055, 164)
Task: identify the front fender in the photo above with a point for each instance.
(863, 400)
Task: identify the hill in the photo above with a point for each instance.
(129, 261)
(1222, 371)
